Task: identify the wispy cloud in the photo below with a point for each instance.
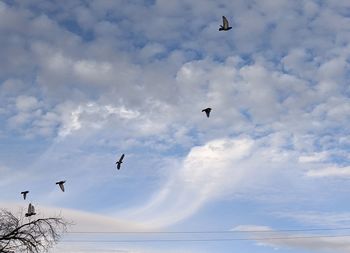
(299, 241)
(332, 171)
(212, 171)
(85, 81)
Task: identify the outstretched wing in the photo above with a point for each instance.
(225, 22)
(29, 208)
(207, 112)
(61, 186)
(32, 210)
(121, 158)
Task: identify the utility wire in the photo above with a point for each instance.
(209, 231)
(212, 239)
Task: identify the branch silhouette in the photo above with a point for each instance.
(19, 234)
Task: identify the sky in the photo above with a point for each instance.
(82, 82)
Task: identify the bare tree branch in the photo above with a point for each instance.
(26, 235)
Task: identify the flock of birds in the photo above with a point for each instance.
(31, 210)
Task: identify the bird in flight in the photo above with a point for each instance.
(207, 111)
(61, 184)
(225, 25)
(24, 194)
(31, 210)
(119, 162)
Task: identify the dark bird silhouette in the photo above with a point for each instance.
(24, 194)
(207, 111)
(119, 163)
(60, 183)
(31, 210)
(225, 25)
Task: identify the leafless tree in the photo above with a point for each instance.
(31, 235)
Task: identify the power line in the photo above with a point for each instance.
(212, 239)
(209, 231)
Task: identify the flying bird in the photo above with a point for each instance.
(119, 163)
(225, 25)
(24, 194)
(207, 111)
(31, 210)
(60, 183)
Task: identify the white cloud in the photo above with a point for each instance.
(250, 228)
(120, 82)
(202, 176)
(332, 171)
(82, 221)
(290, 240)
(91, 71)
(91, 115)
(26, 103)
(217, 169)
(315, 157)
(88, 222)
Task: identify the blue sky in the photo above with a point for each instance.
(82, 82)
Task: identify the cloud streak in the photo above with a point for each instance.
(86, 81)
(333, 171)
(298, 241)
(218, 169)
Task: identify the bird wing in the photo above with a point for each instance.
(32, 210)
(61, 186)
(121, 158)
(29, 208)
(225, 22)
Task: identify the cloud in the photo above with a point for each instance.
(82, 220)
(87, 80)
(317, 218)
(105, 71)
(73, 119)
(26, 103)
(202, 176)
(212, 171)
(290, 240)
(315, 157)
(333, 171)
(83, 248)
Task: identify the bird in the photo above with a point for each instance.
(225, 25)
(24, 194)
(31, 210)
(207, 111)
(60, 183)
(119, 162)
